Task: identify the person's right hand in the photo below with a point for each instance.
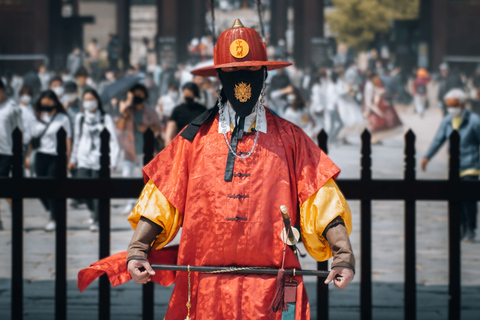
(424, 164)
(140, 270)
(287, 90)
(27, 163)
(71, 165)
(123, 106)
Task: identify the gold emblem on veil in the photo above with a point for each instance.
(243, 92)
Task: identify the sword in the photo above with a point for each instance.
(240, 270)
(289, 235)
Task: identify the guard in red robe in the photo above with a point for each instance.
(223, 180)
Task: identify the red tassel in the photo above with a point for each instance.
(278, 302)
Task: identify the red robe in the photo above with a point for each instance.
(286, 168)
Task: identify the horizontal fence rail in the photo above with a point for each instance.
(364, 189)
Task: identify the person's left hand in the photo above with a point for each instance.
(346, 275)
(141, 127)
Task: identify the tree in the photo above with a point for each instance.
(357, 21)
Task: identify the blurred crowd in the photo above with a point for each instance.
(87, 97)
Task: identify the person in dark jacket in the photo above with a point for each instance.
(184, 113)
(468, 126)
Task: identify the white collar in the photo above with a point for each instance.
(227, 117)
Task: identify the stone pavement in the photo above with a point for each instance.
(387, 242)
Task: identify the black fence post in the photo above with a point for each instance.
(410, 293)
(366, 232)
(61, 232)
(322, 288)
(454, 286)
(148, 296)
(104, 228)
(17, 229)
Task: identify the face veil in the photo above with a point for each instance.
(242, 89)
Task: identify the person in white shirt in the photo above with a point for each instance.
(169, 101)
(10, 118)
(56, 85)
(28, 115)
(297, 112)
(89, 124)
(318, 100)
(334, 90)
(50, 116)
(44, 77)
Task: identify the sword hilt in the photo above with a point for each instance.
(286, 221)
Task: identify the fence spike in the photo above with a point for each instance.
(454, 250)
(105, 154)
(409, 173)
(17, 149)
(322, 139)
(61, 153)
(148, 146)
(366, 160)
(454, 166)
(17, 230)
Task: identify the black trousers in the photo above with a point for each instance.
(92, 204)
(46, 166)
(5, 165)
(468, 219)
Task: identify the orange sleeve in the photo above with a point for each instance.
(317, 212)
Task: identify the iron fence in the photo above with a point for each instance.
(364, 189)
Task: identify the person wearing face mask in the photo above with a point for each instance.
(135, 119)
(28, 116)
(56, 85)
(71, 102)
(184, 113)
(205, 98)
(89, 124)
(297, 112)
(81, 77)
(468, 126)
(223, 179)
(169, 101)
(10, 118)
(50, 116)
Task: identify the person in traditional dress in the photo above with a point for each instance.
(223, 179)
(382, 119)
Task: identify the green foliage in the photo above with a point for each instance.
(355, 22)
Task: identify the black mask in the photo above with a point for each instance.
(138, 100)
(189, 100)
(45, 108)
(242, 89)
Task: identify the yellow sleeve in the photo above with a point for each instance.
(317, 212)
(153, 205)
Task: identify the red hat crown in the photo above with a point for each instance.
(239, 47)
(222, 53)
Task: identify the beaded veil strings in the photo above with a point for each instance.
(260, 106)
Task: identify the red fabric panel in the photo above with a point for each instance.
(115, 267)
